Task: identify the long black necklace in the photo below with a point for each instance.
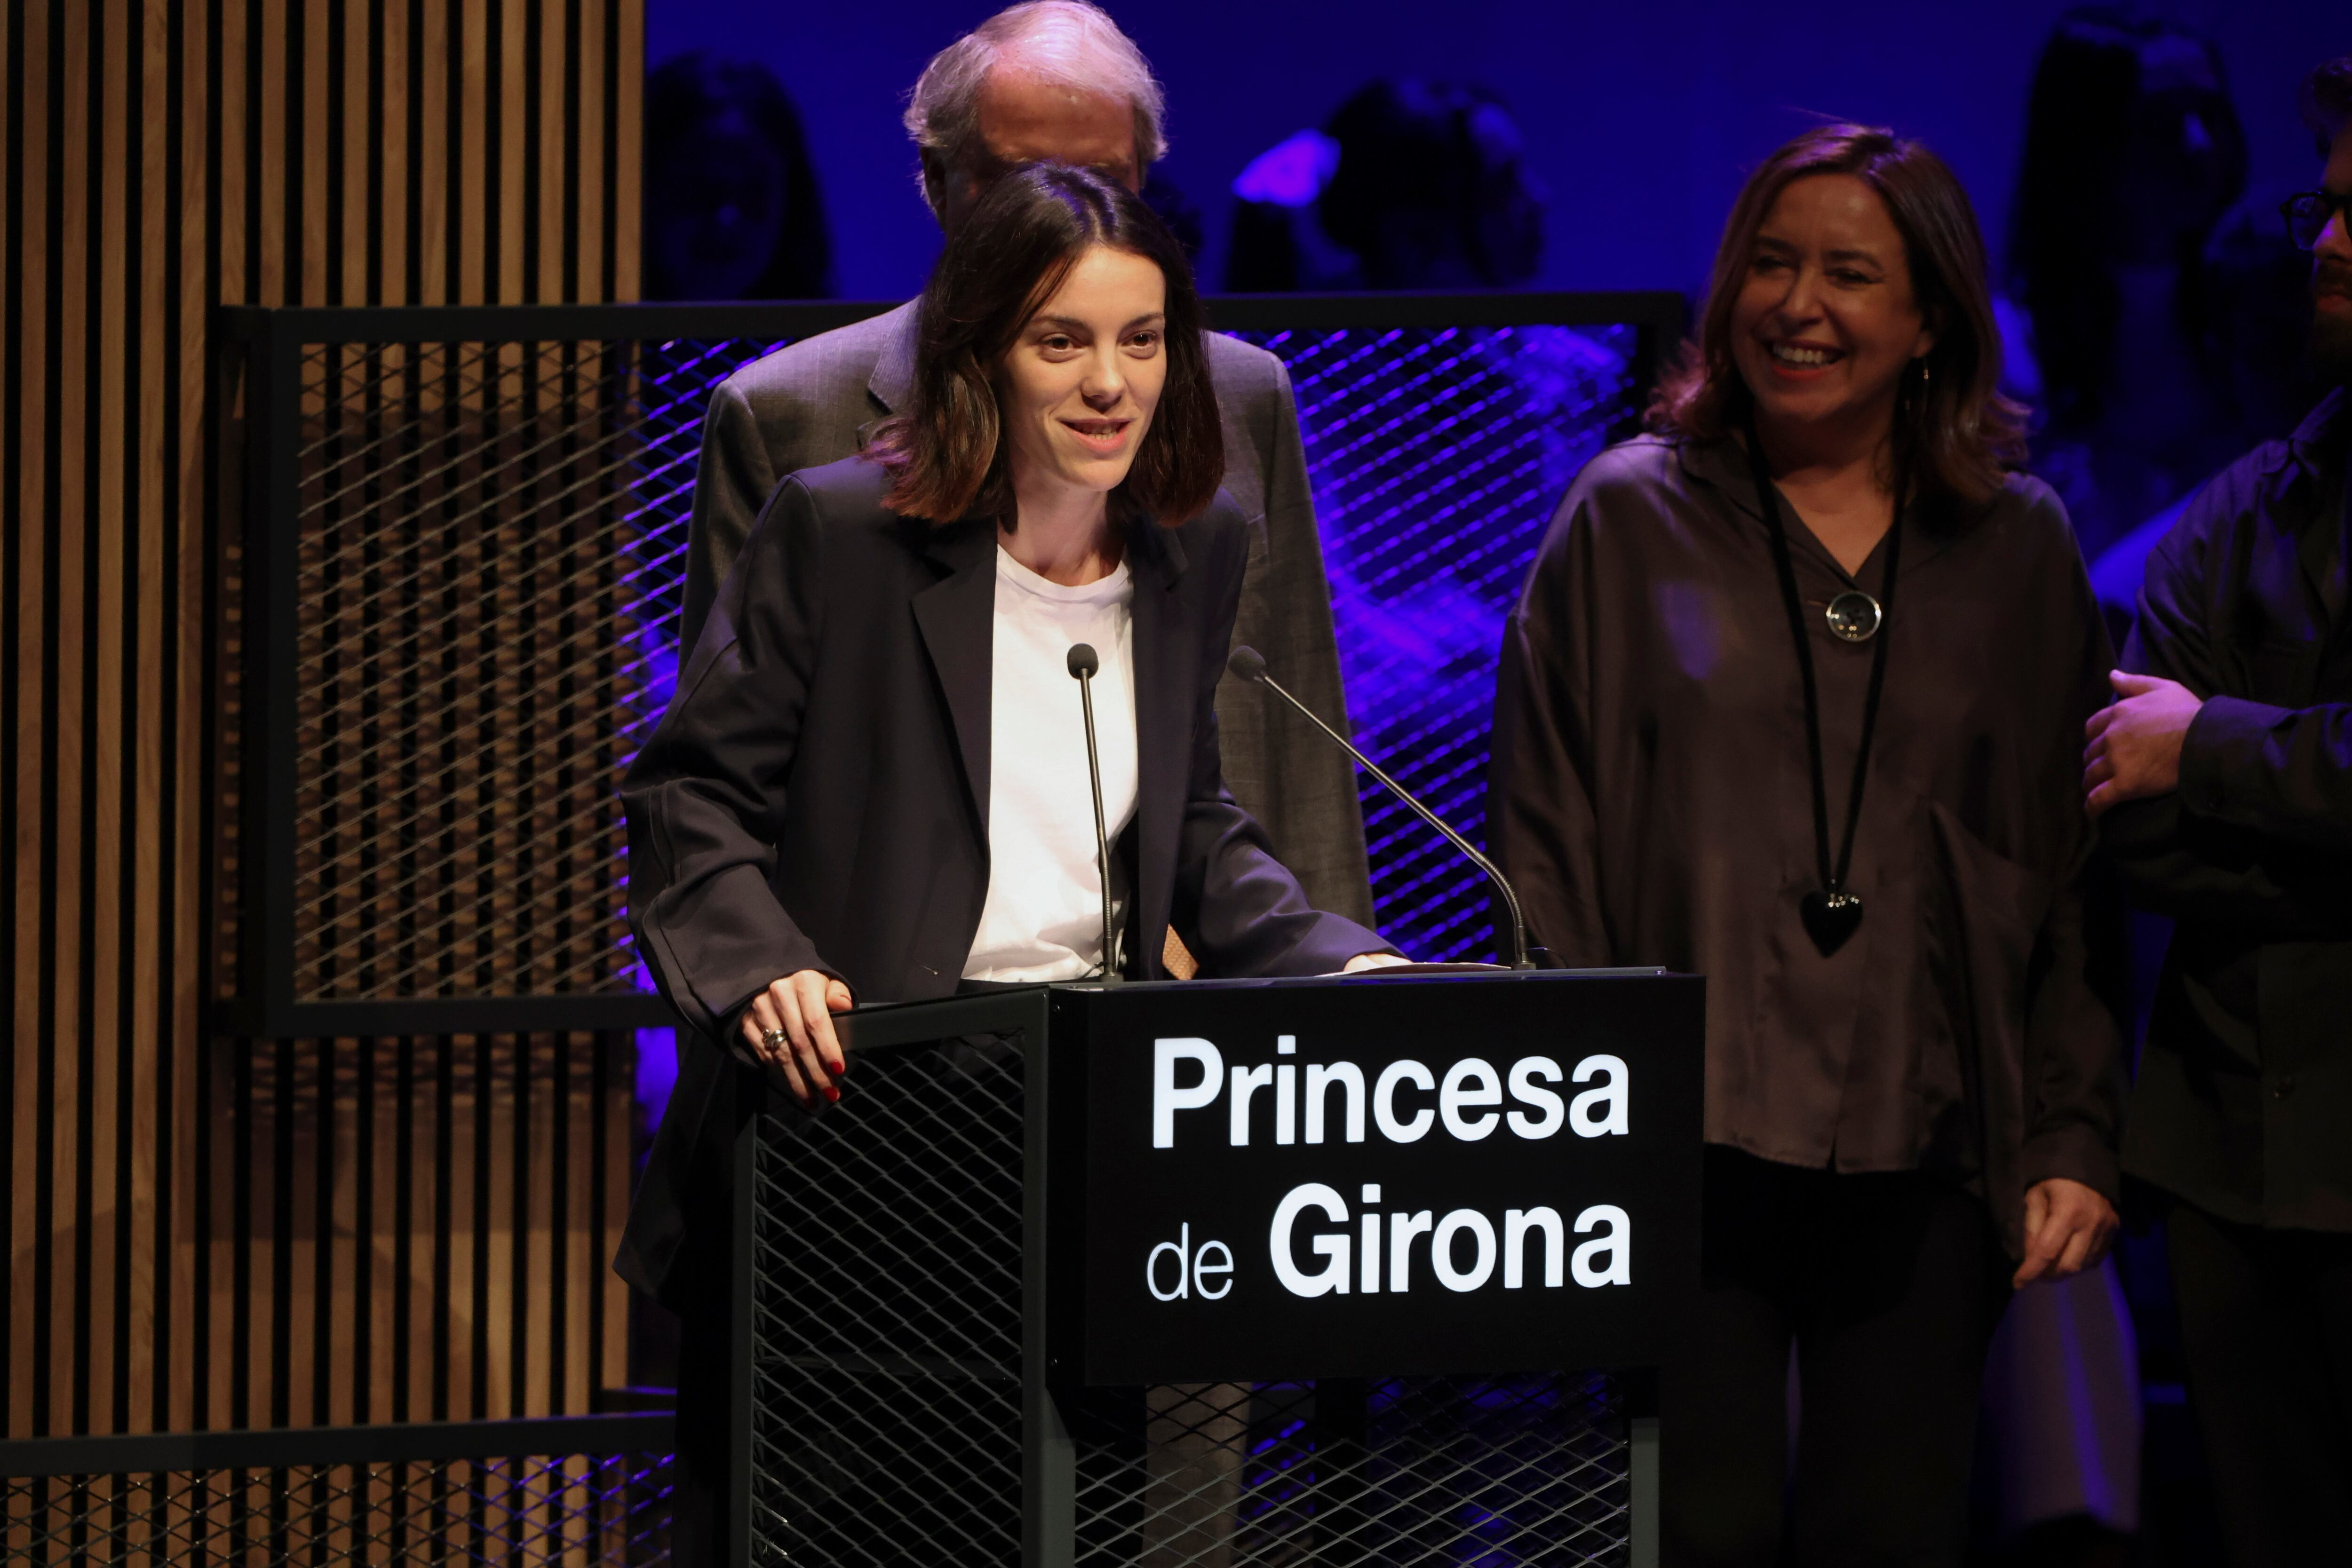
(1832, 911)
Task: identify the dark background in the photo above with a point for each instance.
(1640, 119)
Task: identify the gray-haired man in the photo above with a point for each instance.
(1057, 80)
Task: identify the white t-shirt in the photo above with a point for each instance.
(1043, 919)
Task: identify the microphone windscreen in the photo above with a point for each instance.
(1083, 661)
(1248, 663)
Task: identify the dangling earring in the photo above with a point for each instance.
(1927, 373)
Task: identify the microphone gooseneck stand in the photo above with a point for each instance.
(1083, 664)
(1249, 664)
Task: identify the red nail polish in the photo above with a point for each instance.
(831, 1092)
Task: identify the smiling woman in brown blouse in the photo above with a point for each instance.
(1794, 700)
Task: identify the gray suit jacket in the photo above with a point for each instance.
(814, 403)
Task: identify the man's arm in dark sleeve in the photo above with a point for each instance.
(2178, 858)
(1323, 836)
(732, 484)
(705, 799)
(2283, 773)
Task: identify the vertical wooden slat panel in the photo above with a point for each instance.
(264, 149)
(429, 57)
(13, 1320)
(68, 703)
(148, 630)
(471, 153)
(554, 155)
(590, 175)
(20, 698)
(205, 1231)
(318, 90)
(104, 605)
(355, 128)
(392, 88)
(624, 256)
(510, 149)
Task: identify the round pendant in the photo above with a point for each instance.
(1854, 616)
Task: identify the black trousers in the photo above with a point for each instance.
(2266, 1332)
(1888, 1287)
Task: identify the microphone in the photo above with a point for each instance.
(1083, 664)
(1249, 664)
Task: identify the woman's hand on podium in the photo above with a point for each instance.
(789, 1027)
(2068, 1229)
(1363, 961)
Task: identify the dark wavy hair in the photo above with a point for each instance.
(1955, 437)
(947, 455)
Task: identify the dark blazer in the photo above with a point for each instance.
(816, 798)
(2244, 1104)
(816, 401)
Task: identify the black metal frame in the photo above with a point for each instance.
(261, 349)
(1048, 1458)
(289, 1447)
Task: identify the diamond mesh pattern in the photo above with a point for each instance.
(886, 1317)
(1437, 456)
(491, 556)
(885, 1410)
(491, 547)
(1401, 1470)
(579, 1509)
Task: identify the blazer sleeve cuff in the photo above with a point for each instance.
(2074, 1152)
(2225, 741)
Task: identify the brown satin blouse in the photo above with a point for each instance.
(1652, 803)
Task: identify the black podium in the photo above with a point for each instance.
(1366, 1270)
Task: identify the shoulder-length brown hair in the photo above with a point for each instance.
(946, 453)
(1957, 435)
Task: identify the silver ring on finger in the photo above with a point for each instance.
(774, 1039)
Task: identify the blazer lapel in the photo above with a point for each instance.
(957, 616)
(1167, 701)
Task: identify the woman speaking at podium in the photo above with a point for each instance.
(873, 781)
(1794, 699)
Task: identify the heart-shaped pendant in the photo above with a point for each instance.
(1830, 918)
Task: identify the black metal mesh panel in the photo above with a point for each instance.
(490, 556)
(588, 1510)
(1394, 1472)
(1437, 455)
(886, 1410)
(886, 1316)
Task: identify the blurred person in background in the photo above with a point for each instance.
(1792, 699)
(732, 210)
(1409, 185)
(2133, 154)
(2222, 781)
(2166, 336)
